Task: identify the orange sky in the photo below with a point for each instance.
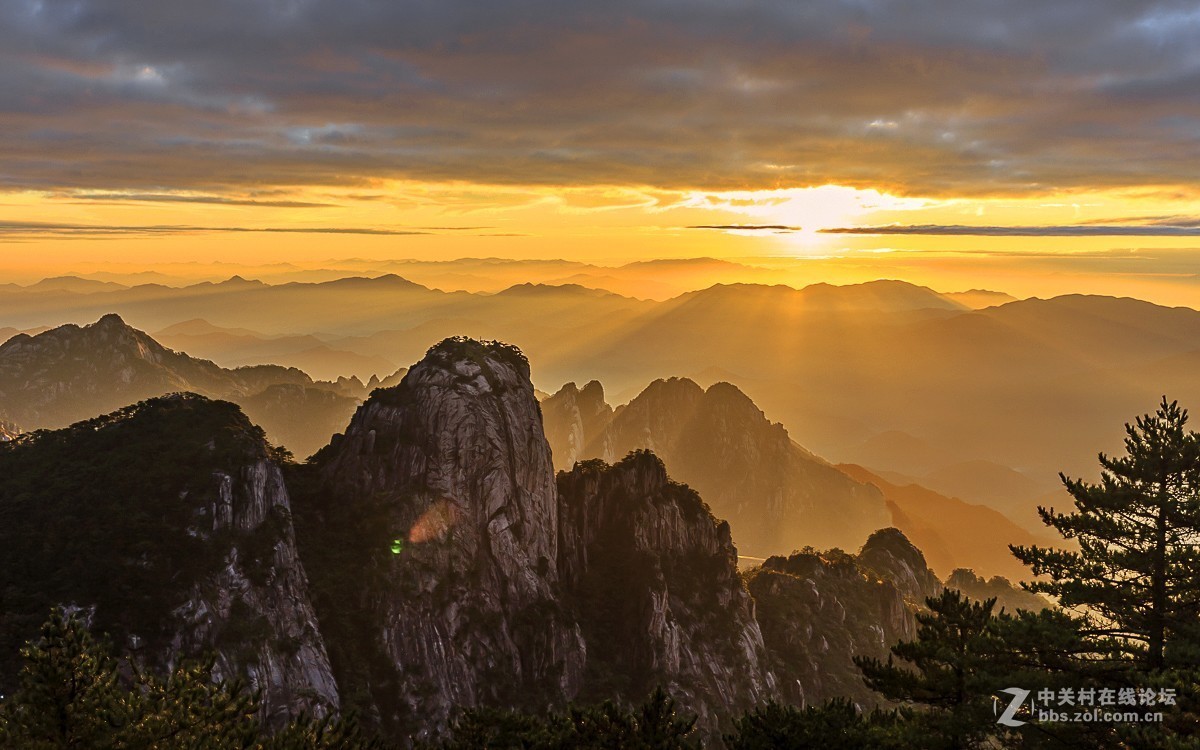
(51, 235)
(1040, 148)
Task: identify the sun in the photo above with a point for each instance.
(797, 215)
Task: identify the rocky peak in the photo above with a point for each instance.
(654, 577)
(819, 609)
(573, 418)
(387, 382)
(677, 396)
(190, 514)
(593, 393)
(460, 420)
(70, 373)
(776, 496)
(889, 553)
(456, 468)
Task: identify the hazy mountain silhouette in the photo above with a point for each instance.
(1036, 386)
(70, 373)
(977, 299)
(775, 495)
(989, 483)
(237, 347)
(951, 533)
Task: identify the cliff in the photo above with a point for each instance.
(653, 578)
(819, 609)
(170, 524)
(445, 481)
(575, 419)
(473, 578)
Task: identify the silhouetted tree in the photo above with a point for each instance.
(70, 695)
(654, 725)
(1133, 581)
(950, 671)
(836, 725)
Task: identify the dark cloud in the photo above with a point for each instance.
(1072, 230)
(23, 229)
(931, 96)
(201, 199)
(1167, 221)
(748, 227)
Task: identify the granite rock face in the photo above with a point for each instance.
(654, 580)
(890, 555)
(817, 610)
(467, 609)
(254, 612)
(170, 523)
(575, 420)
(500, 586)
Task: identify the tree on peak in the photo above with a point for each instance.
(465, 347)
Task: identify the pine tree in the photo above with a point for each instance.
(71, 695)
(192, 709)
(654, 725)
(836, 725)
(68, 694)
(1133, 581)
(951, 671)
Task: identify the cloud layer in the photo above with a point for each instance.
(1067, 230)
(926, 97)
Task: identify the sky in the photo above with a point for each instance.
(1041, 147)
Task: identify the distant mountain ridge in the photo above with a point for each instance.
(776, 495)
(71, 373)
(1032, 386)
(952, 533)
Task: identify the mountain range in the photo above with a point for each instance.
(427, 558)
(901, 379)
(776, 495)
(71, 373)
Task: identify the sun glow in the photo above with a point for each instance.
(806, 210)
